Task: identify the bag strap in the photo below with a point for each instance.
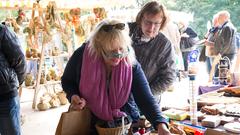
(70, 108)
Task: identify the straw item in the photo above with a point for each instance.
(113, 131)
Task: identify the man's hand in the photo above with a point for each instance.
(77, 102)
(163, 130)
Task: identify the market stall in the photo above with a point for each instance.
(49, 35)
(50, 31)
(213, 108)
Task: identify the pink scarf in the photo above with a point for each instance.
(105, 104)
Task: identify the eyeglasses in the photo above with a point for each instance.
(147, 22)
(122, 54)
(109, 27)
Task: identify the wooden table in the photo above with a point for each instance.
(214, 97)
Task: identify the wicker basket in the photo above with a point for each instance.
(112, 131)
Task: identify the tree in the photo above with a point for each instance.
(203, 11)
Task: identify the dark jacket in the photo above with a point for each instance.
(12, 64)
(225, 42)
(210, 42)
(156, 58)
(140, 90)
(187, 43)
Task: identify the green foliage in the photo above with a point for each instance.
(7, 13)
(203, 11)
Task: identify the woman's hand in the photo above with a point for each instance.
(163, 130)
(77, 103)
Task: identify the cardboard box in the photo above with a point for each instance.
(176, 114)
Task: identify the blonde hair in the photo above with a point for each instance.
(100, 40)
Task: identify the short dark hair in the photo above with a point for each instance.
(154, 8)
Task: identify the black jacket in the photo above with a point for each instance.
(156, 58)
(226, 40)
(187, 43)
(12, 64)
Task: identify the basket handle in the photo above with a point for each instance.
(123, 129)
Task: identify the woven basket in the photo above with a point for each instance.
(112, 131)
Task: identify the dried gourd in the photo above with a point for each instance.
(52, 74)
(44, 102)
(62, 98)
(55, 51)
(28, 53)
(48, 77)
(29, 80)
(43, 106)
(58, 78)
(54, 102)
(42, 79)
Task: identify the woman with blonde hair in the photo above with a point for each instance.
(104, 75)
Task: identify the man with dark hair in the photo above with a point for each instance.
(153, 50)
(12, 72)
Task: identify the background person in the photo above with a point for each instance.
(172, 33)
(210, 42)
(225, 42)
(188, 39)
(12, 72)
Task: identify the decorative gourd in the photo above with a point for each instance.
(48, 77)
(54, 102)
(29, 80)
(43, 106)
(44, 102)
(34, 53)
(42, 79)
(28, 53)
(62, 97)
(55, 51)
(52, 74)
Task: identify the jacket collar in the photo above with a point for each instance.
(223, 25)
